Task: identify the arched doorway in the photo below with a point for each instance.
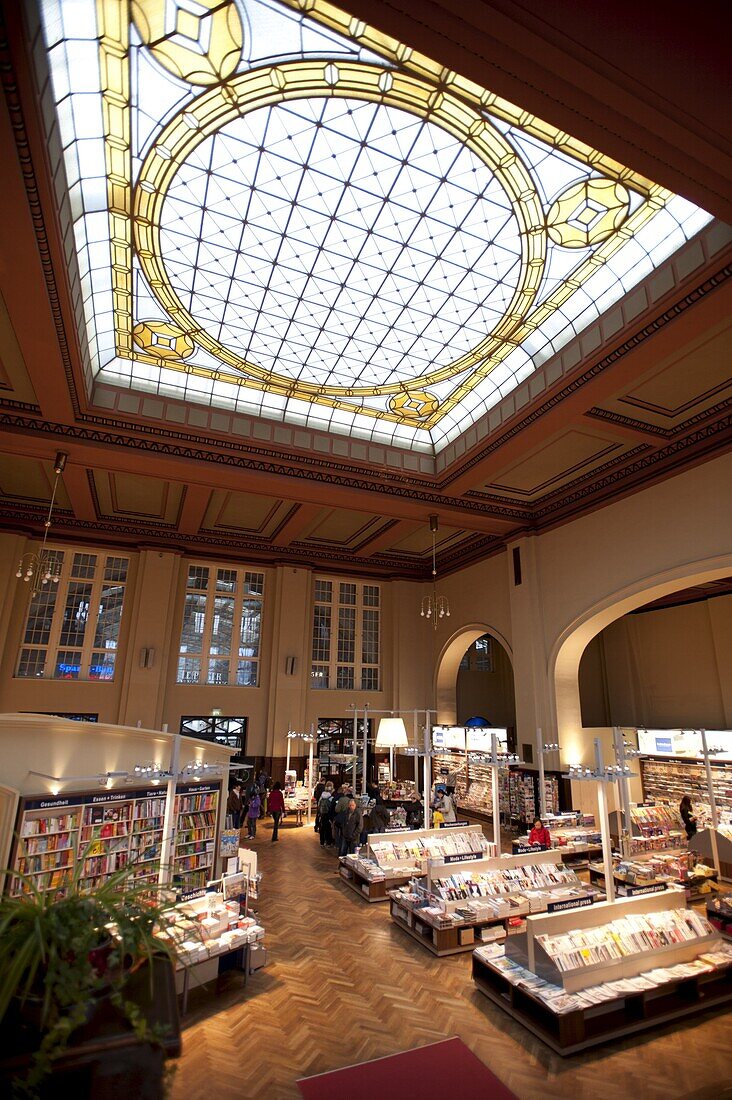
(480, 687)
(570, 646)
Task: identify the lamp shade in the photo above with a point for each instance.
(391, 734)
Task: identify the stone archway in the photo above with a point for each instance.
(448, 664)
(567, 652)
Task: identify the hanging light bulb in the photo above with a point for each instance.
(433, 606)
(44, 566)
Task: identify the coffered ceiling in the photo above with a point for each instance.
(418, 362)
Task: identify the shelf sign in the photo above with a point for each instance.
(633, 891)
(571, 903)
(191, 895)
(526, 849)
(454, 824)
(462, 857)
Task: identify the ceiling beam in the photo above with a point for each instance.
(299, 519)
(385, 538)
(134, 458)
(24, 286)
(193, 512)
(524, 432)
(625, 429)
(76, 483)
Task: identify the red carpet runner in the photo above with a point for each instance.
(448, 1065)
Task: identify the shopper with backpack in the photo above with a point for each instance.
(255, 806)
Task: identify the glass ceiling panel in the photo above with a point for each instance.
(338, 234)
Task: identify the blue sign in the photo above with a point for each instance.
(664, 744)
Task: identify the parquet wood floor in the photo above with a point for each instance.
(343, 985)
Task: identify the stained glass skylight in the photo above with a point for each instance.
(281, 211)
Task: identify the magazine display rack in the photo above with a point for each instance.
(390, 860)
(573, 999)
(512, 887)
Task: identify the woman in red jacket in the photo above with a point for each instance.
(276, 806)
(540, 835)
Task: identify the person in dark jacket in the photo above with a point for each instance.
(688, 816)
(380, 818)
(351, 828)
(276, 803)
(233, 805)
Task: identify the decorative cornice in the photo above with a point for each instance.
(296, 554)
(8, 78)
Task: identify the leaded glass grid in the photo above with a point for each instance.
(346, 624)
(72, 629)
(221, 628)
(279, 213)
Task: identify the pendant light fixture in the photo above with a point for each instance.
(434, 607)
(37, 569)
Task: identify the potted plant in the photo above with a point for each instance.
(64, 953)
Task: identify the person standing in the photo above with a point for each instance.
(233, 805)
(351, 829)
(276, 804)
(324, 806)
(688, 816)
(255, 805)
(448, 806)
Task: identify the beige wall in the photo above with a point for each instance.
(665, 668)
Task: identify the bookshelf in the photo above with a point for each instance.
(105, 831)
(668, 780)
(196, 816)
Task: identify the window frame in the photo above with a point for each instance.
(88, 649)
(363, 600)
(240, 598)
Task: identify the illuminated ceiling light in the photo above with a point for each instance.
(433, 606)
(391, 734)
(44, 566)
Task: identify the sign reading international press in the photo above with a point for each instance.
(571, 903)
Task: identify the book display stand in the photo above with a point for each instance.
(459, 905)
(390, 860)
(582, 978)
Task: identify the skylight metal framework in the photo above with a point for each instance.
(344, 234)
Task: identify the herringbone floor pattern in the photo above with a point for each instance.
(344, 985)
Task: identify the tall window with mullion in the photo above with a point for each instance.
(72, 628)
(222, 622)
(345, 652)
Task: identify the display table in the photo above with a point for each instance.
(570, 1032)
(461, 902)
(564, 984)
(206, 970)
(701, 844)
(367, 886)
